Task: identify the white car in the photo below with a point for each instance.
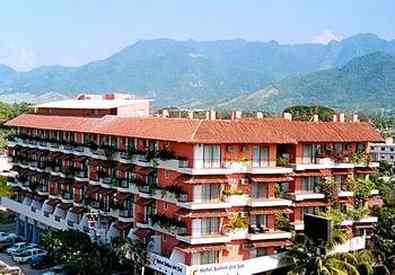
(3, 236)
(29, 254)
(18, 248)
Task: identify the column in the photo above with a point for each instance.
(25, 233)
(17, 225)
(35, 232)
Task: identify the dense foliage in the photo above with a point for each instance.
(7, 112)
(81, 256)
(303, 112)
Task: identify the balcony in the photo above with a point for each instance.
(231, 167)
(38, 214)
(67, 197)
(42, 189)
(204, 239)
(269, 235)
(330, 163)
(126, 215)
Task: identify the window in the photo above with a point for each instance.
(310, 183)
(259, 190)
(382, 148)
(165, 205)
(211, 156)
(259, 221)
(392, 149)
(260, 156)
(310, 152)
(361, 147)
(261, 251)
(339, 148)
(210, 192)
(207, 257)
(205, 226)
(309, 210)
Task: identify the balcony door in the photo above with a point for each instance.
(211, 156)
(260, 156)
(310, 153)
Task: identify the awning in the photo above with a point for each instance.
(310, 203)
(184, 213)
(266, 211)
(144, 201)
(123, 226)
(65, 206)
(198, 248)
(323, 173)
(341, 173)
(363, 171)
(271, 243)
(142, 233)
(121, 196)
(79, 184)
(205, 180)
(53, 202)
(271, 179)
(93, 190)
(78, 210)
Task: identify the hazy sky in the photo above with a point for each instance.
(72, 32)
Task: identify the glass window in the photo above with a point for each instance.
(260, 156)
(211, 156)
(309, 183)
(259, 221)
(210, 192)
(261, 251)
(259, 190)
(207, 257)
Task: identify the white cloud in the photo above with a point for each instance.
(325, 37)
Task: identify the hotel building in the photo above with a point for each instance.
(200, 192)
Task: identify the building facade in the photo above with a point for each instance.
(384, 151)
(198, 192)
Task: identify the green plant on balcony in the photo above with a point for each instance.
(92, 145)
(150, 155)
(236, 222)
(329, 187)
(165, 154)
(282, 222)
(166, 222)
(360, 157)
(279, 190)
(233, 193)
(338, 235)
(283, 162)
(358, 213)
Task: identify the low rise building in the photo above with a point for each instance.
(203, 193)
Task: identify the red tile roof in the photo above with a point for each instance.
(278, 131)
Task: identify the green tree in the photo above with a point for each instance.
(306, 113)
(384, 235)
(132, 254)
(75, 250)
(5, 190)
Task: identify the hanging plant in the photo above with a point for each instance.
(329, 187)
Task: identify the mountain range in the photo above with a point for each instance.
(226, 74)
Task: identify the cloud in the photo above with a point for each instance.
(325, 37)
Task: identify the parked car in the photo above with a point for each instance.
(29, 254)
(20, 247)
(40, 262)
(7, 236)
(57, 270)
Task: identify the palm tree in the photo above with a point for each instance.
(132, 253)
(357, 263)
